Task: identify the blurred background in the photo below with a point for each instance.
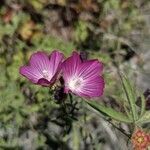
(116, 32)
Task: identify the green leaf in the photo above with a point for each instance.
(143, 105)
(145, 118)
(76, 137)
(109, 112)
(127, 112)
(130, 94)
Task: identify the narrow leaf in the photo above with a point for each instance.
(109, 112)
(143, 105)
(127, 112)
(130, 94)
(76, 137)
(145, 118)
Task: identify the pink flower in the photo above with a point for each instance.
(43, 69)
(140, 139)
(83, 78)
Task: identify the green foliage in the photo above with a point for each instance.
(109, 112)
(81, 32)
(37, 4)
(76, 137)
(50, 43)
(10, 28)
(143, 105)
(130, 95)
(12, 105)
(145, 118)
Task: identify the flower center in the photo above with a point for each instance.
(45, 74)
(75, 83)
(140, 140)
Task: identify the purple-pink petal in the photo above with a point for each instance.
(31, 73)
(70, 65)
(93, 87)
(56, 59)
(90, 68)
(83, 78)
(43, 69)
(43, 82)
